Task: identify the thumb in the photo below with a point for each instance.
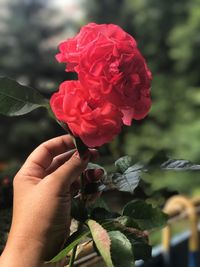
(69, 172)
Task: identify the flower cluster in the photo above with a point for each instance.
(113, 86)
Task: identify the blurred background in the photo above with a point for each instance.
(168, 35)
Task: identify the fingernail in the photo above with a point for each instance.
(76, 155)
(85, 156)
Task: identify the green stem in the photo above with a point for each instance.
(81, 147)
(80, 225)
(72, 258)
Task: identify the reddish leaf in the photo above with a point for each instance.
(102, 241)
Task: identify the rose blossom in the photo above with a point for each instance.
(71, 49)
(111, 67)
(94, 122)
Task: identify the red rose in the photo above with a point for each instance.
(111, 67)
(70, 50)
(95, 122)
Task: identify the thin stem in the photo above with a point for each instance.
(72, 258)
(80, 225)
(81, 147)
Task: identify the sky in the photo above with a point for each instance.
(65, 2)
(71, 8)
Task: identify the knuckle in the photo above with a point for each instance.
(16, 181)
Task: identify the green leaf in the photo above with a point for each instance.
(161, 161)
(179, 165)
(138, 239)
(102, 241)
(145, 215)
(121, 250)
(129, 180)
(101, 214)
(123, 163)
(128, 222)
(99, 203)
(16, 99)
(73, 240)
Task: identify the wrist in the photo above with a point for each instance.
(21, 252)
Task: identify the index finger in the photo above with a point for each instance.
(41, 158)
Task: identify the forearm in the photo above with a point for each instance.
(18, 253)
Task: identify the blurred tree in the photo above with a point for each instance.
(27, 30)
(105, 11)
(26, 49)
(167, 33)
(184, 42)
(150, 22)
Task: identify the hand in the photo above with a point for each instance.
(42, 201)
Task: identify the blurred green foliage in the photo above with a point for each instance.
(168, 35)
(27, 30)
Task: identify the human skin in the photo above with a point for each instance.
(43, 188)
